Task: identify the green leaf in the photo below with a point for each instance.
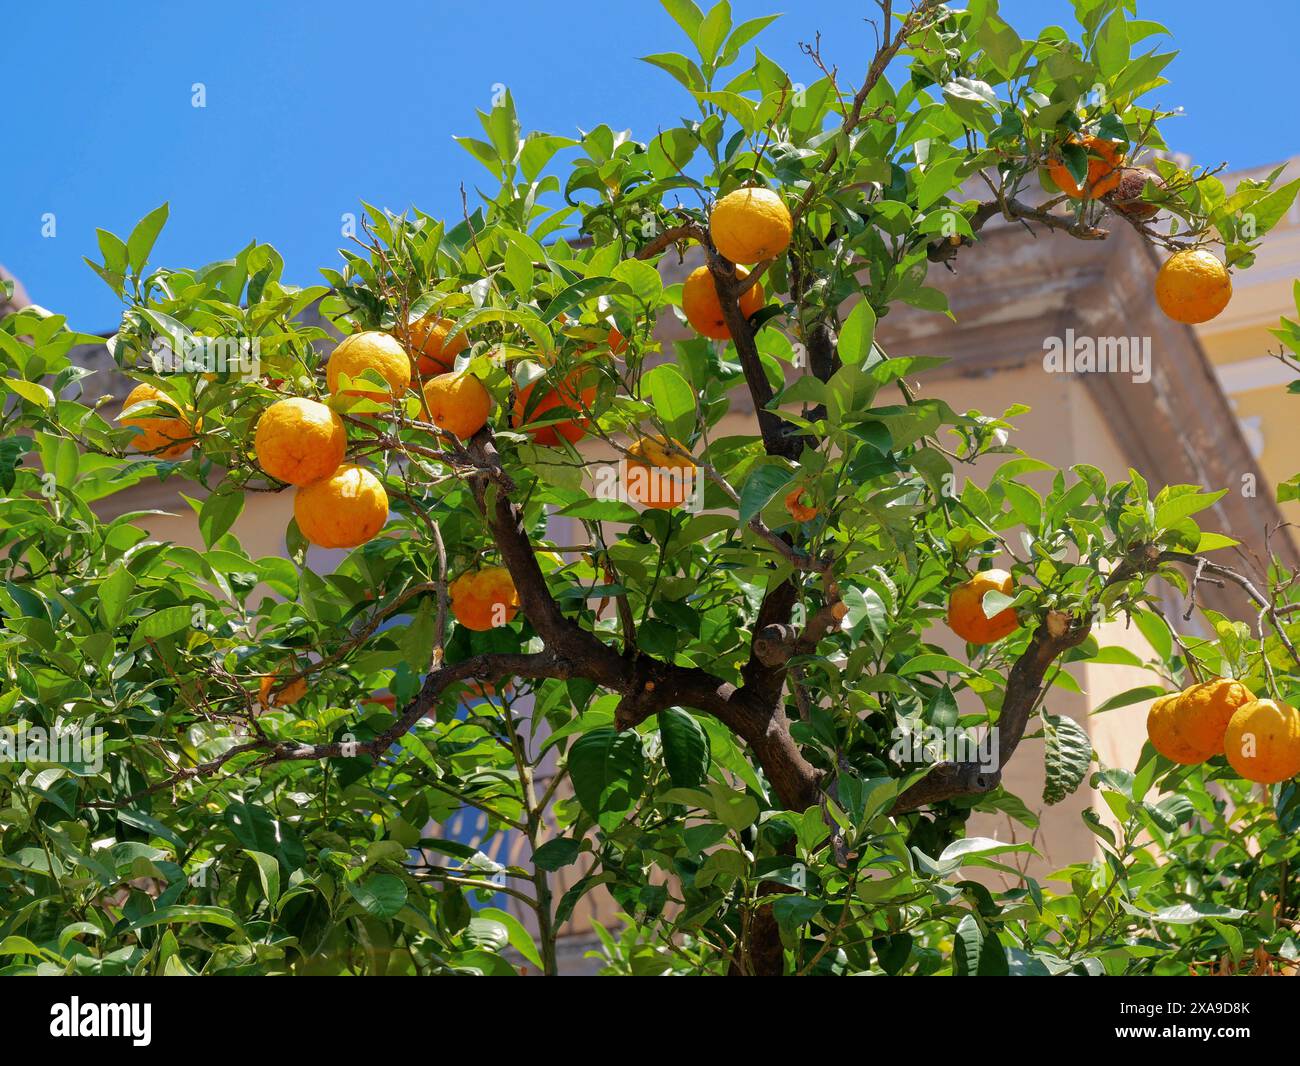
(1140, 694)
(163, 623)
(188, 915)
(642, 279)
(142, 238)
(791, 912)
(608, 771)
(1187, 913)
(113, 593)
(685, 70)
(219, 512)
(268, 872)
(382, 896)
(763, 483)
(857, 334)
(1067, 755)
(967, 946)
(673, 398)
(735, 810)
(712, 32)
(686, 747)
(32, 391)
(556, 853)
(685, 14)
(520, 939)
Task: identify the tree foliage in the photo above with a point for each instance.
(696, 709)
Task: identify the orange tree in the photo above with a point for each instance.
(654, 655)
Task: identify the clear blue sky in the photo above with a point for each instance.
(312, 106)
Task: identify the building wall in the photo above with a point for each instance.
(1244, 352)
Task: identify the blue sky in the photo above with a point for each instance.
(312, 106)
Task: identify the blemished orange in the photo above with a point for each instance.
(436, 354)
(966, 615)
(457, 403)
(484, 599)
(166, 438)
(343, 510)
(572, 395)
(1127, 198)
(750, 225)
(658, 475)
(1262, 742)
(1203, 711)
(300, 440)
(1193, 286)
(797, 508)
(289, 694)
(703, 309)
(1164, 732)
(369, 351)
(1105, 163)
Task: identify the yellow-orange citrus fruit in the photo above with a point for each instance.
(1104, 166)
(457, 403)
(1263, 741)
(167, 438)
(799, 510)
(574, 394)
(703, 309)
(966, 615)
(1163, 729)
(299, 440)
(1193, 286)
(436, 354)
(658, 477)
(1203, 711)
(289, 694)
(369, 351)
(616, 341)
(484, 599)
(750, 225)
(343, 510)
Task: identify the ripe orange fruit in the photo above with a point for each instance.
(167, 438)
(1203, 711)
(1127, 197)
(657, 477)
(750, 225)
(616, 341)
(343, 510)
(484, 599)
(703, 309)
(290, 694)
(437, 355)
(1263, 741)
(801, 510)
(1163, 729)
(1193, 286)
(299, 441)
(571, 395)
(457, 403)
(966, 615)
(1104, 164)
(370, 351)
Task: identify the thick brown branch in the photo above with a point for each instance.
(1054, 636)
